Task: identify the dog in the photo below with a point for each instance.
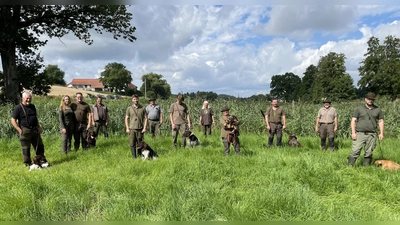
(39, 162)
(90, 139)
(192, 140)
(232, 123)
(293, 141)
(387, 164)
(146, 151)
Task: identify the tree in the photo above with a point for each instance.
(154, 86)
(55, 75)
(116, 76)
(307, 83)
(22, 25)
(380, 70)
(284, 86)
(332, 80)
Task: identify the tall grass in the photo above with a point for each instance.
(300, 116)
(199, 184)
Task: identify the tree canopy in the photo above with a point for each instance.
(22, 25)
(54, 74)
(285, 86)
(380, 69)
(116, 76)
(155, 86)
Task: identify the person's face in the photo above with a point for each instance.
(135, 100)
(79, 98)
(225, 113)
(152, 102)
(205, 105)
(275, 102)
(327, 104)
(369, 101)
(98, 100)
(27, 100)
(67, 100)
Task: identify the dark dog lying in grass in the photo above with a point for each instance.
(192, 140)
(91, 139)
(146, 151)
(293, 141)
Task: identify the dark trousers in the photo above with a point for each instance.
(30, 137)
(275, 129)
(66, 138)
(102, 124)
(154, 127)
(227, 144)
(206, 129)
(134, 137)
(80, 135)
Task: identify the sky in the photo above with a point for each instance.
(228, 49)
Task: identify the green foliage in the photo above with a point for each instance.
(307, 83)
(55, 75)
(22, 25)
(285, 87)
(155, 86)
(206, 95)
(331, 79)
(116, 76)
(379, 71)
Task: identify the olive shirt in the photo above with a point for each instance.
(137, 116)
(327, 115)
(81, 111)
(179, 113)
(275, 116)
(367, 118)
(66, 118)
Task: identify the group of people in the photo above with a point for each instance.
(77, 117)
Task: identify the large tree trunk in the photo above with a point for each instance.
(11, 83)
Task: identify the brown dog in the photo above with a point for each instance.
(387, 164)
(293, 141)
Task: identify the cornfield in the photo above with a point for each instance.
(300, 116)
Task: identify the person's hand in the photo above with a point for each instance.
(316, 129)
(40, 130)
(144, 130)
(354, 136)
(268, 127)
(284, 127)
(128, 131)
(63, 131)
(380, 137)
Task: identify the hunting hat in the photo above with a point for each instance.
(326, 100)
(180, 97)
(225, 108)
(152, 99)
(370, 95)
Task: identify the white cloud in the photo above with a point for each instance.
(233, 49)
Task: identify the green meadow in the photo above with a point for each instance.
(201, 184)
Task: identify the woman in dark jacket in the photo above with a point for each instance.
(67, 123)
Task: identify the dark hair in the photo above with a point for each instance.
(78, 93)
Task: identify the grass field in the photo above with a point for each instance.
(201, 184)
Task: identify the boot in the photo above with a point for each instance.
(323, 144)
(351, 160)
(270, 140)
(367, 161)
(331, 144)
(133, 151)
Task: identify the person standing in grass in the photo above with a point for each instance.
(135, 123)
(327, 124)
(229, 131)
(24, 119)
(155, 117)
(206, 119)
(364, 123)
(67, 123)
(83, 121)
(275, 118)
(100, 117)
(178, 115)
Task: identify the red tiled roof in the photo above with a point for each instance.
(94, 83)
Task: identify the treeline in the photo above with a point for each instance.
(379, 72)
